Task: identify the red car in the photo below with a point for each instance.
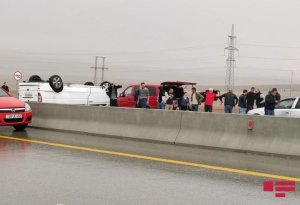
(126, 98)
(14, 112)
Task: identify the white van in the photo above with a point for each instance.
(55, 91)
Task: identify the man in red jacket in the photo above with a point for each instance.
(210, 97)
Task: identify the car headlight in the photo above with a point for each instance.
(27, 107)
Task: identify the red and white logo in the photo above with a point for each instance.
(279, 187)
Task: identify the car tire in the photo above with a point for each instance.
(35, 78)
(89, 83)
(20, 127)
(56, 83)
(105, 85)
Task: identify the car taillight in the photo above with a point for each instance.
(40, 99)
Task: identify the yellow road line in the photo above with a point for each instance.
(177, 162)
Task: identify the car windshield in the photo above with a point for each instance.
(285, 104)
(3, 93)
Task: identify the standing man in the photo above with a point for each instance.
(136, 97)
(170, 100)
(196, 100)
(5, 87)
(278, 96)
(259, 98)
(184, 102)
(113, 94)
(162, 98)
(230, 101)
(271, 102)
(250, 98)
(143, 97)
(210, 97)
(243, 103)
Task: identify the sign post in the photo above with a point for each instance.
(17, 77)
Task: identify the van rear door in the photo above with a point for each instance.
(98, 96)
(28, 92)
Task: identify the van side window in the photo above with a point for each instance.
(127, 92)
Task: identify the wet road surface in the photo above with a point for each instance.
(32, 174)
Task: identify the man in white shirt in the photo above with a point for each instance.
(196, 100)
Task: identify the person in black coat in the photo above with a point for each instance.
(113, 94)
(271, 102)
(277, 96)
(260, 99)
(243, 103)
(250, 98)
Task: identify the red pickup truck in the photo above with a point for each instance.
(126, 98)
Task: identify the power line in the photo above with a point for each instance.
(271, 46)
(173, 59)
(270, 58)
(34, 53)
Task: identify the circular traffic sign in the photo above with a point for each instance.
(18, 75)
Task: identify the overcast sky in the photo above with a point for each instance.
(151, 40)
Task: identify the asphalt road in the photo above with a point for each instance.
(35, 174)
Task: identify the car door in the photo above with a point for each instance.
(296, 109)
(153, 97)
(126, 98)
(284, 107)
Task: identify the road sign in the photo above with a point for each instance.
(18, 75)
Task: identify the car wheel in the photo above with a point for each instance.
(20, 127)
(56, 83)
(105, 85)
(89, 83)
(35, 78)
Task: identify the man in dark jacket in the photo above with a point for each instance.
(230, 101)
(259, 99)
(277, 96)
(243, 103)
(113, 94)
(271, 102)
(250, 98)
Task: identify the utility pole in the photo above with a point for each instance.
(96, 68)
(229, 80)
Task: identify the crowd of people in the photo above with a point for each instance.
(191, 102)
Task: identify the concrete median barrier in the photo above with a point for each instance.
(227, 131)
(230, 131)
(130, 123)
